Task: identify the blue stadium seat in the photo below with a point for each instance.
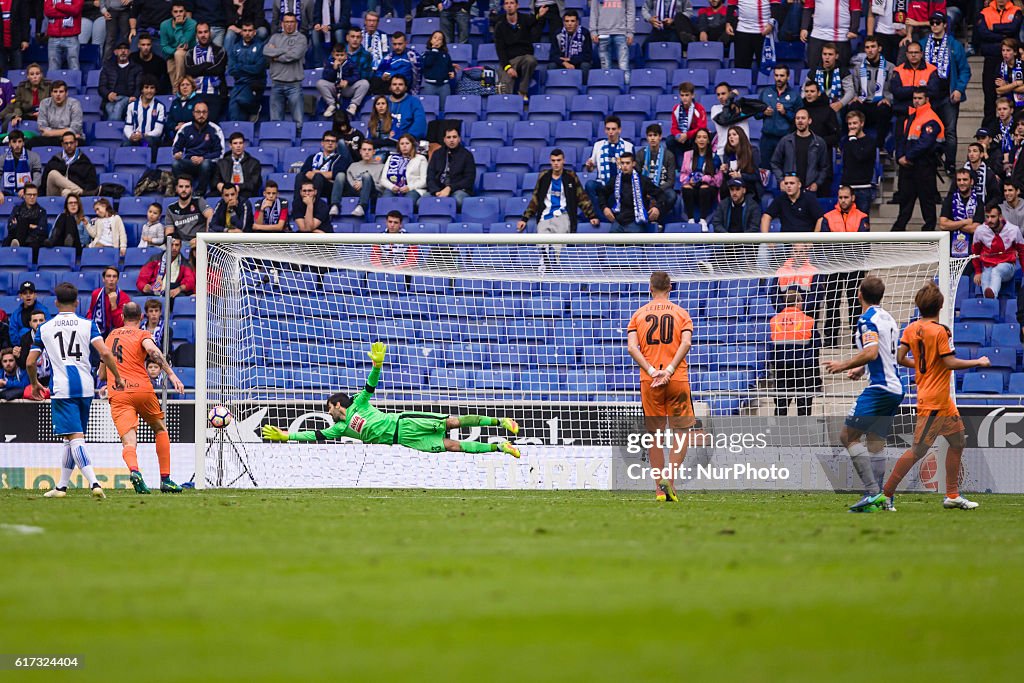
(267, 156)
(506, 227)
(72, 78)
(515, 159)
(507, 108)
(134, 207)
(488, 133)
(487, 55)
(609, 82)
(402, 204)
(1006, 334)
(183, 329)
(278, 134)
(985, 382)
(500, 184)
(100, 157)
(592, 108)
(1001, 357)
(15, 259)
(121, 178)
(567, 82)
(86, 282)
(463, 107)
(185, 307)
(484, 157)
(7, 283)
(741, 79)
(979, 309)
(44, 281)
(102, 257)
(438, 209)
(1016, 385)
(431, 106)
(634, 108)
(573, 133)
(542, 51)
(133, 160)
(531, 133)
(650, 81)
(551, 108)
(246, 128)
(128, 280)
(705, 55)
(664, 55)
(514, 207)
(699, 76)
(54, 205)
(57, 258)
(461, 53)
(421, 228)
(481, 210)
(108, 130)
(464, 228)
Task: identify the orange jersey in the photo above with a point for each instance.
(929, 342)
(659, 328)
(126, 345)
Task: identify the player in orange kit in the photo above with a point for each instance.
(132, 347)
(660, 334)
(928, 341)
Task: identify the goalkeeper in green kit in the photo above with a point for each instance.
(356, 418)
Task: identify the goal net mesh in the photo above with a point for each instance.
(536, 332)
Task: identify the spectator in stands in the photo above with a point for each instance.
(916, 20)
(917, 152)
(881, 24)
(749, 23)
(823, 121)
(405, 173)
(106, 307)
(658, 165)
(986, 181)
(741, 212)
(514, 36)
(451, 171)
(1012, 205)
(571, 46)
(797, 211)
(155, 275)
(181, 113)
(107, 229)
(780, 105)
(248, 66)
(394, 255)
(803, 154)
(323, 167)
(845, 217)
(63, 26)
(401, 61)
(455, 21)
(5, 330)
(688, 117)
(859, 155)
(71, 171)
(239, 13)
(989, 149)
(145, 18)
(829, 21)
(962, 214)
(272, 211)
(189, 215)
(1003, 140)
(152, 64)
(29, 94)
(671, 21)
(286, 52)
(794, 357)
(726, 96)
(13, 380)
(196, 147)
(713, 24)
(438, 69)
(58, 114)
(380, 129)
(144, 124)
(20, 167)
(21, 315)
(154, 322)
(156, 375)
(1010, 76)
(407, 113)
(348, 137)
(740, 161)
(949, 58)
(152, 234)
(998, 20)
(548, 14)
(605, 158)
(998, 246)
(120, 82)
(27, 225)
(21, 352)
(311, 213)
(115, 14)
(238, 169)
(872, 88)
(557, 199)
(14, 33)
(330, 21)
(348, 75)
(374, 40)
(629, 200)
(207, 63)
(912, 74)
(612, 23)
(701, 177)
(362, 179)
(177, 37)
(302, 10)
(94, 28)
(70, 226)
(231, 214)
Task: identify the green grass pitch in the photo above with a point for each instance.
(411, 585)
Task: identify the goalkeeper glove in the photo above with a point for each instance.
(272, 433)
(377, 352)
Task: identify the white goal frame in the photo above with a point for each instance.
(940, 239)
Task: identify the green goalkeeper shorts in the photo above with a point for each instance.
(422, 431)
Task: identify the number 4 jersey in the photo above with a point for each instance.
(659, 327)
(67, 338)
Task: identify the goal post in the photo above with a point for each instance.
(519, 323)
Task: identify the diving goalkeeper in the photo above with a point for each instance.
(357, 419)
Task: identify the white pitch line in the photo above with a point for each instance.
(23, 529)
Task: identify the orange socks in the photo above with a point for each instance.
(899, 470)
(131, 458)
(953, 456)
(163, 453)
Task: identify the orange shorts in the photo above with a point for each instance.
(670, 400)
(127, 407)
(931, 424)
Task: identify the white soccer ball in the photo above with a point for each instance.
(220, 417)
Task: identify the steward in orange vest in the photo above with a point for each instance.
(907, 77)
(843, 286)
(917, 153)
(794, 357)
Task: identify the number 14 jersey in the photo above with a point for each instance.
(659, 326)
(66, 339)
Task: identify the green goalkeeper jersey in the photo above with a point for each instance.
(362, 420)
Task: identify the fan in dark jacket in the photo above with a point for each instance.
(630, 201)
(740, 213)
(28, 226)
(81, 172)
(451, 171)
(120, 83)
(250, 179)
(571, 47)
(859, 152)
(824, 123)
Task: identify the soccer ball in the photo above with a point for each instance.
(220, 417)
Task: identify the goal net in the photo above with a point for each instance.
(530, 327)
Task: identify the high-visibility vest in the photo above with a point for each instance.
(917, 78)
(921, 116)
(790, 276)
(837, 221)
(792, 326)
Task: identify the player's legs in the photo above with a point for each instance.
(427, 432)
(453, 446)
(954, 454)
(148, 407)
(71, 420)
(872, 414)
(456, 421)
(67, 468)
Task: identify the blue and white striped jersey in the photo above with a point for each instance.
(146, 120)
(67, 338)
(876, 326)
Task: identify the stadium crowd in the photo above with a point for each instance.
(321, 115)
